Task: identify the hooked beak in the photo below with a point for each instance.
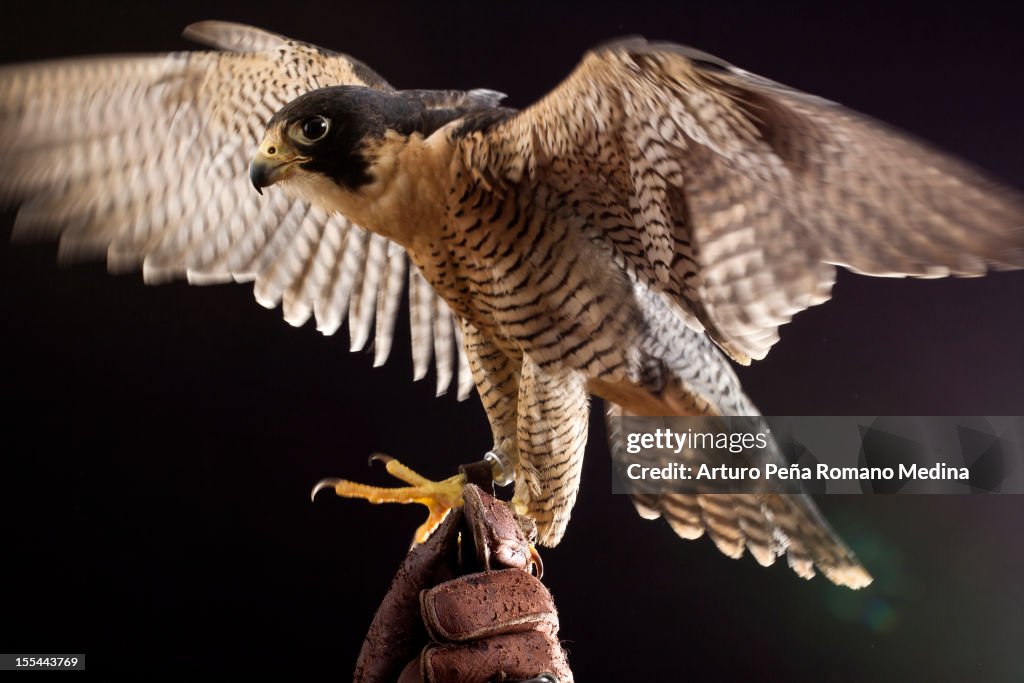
(272, 163)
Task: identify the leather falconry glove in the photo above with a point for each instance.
(466, 607)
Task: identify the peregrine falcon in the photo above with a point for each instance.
(657, 214)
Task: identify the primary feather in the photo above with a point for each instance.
(142, 160)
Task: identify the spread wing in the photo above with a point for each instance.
(734, 198)
(143, 160)
(743, 194)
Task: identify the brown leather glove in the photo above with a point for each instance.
(465, 608)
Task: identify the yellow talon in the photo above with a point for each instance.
(440, 497)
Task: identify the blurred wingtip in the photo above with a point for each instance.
(232, 36)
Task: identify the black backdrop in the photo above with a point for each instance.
(184, 542)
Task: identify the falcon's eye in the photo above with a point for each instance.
(313, 128)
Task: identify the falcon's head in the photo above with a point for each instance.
(342, 148)
(333, 135)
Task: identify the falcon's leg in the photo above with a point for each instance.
(496, 375)
(552, 433)
(438, 496)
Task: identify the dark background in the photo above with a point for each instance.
(160, 443)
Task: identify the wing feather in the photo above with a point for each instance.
(143, 159)
(745, 194)
(769, 522)
(389, 301)
(364, 299)
(443, 335)
(465, 374)
(421, 321)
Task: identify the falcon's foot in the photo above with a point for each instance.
(438, 496)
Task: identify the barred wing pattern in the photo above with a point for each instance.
(143, 160)
(746, 193)
(743, 195)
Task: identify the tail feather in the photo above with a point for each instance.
(768, 525)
